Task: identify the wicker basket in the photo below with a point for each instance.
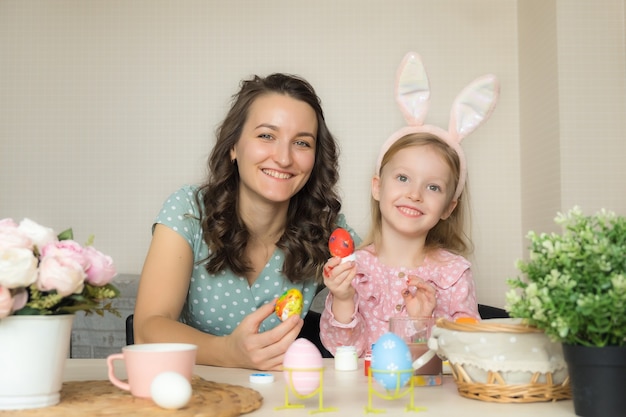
(502, 360)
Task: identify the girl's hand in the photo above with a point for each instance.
(248, 348)
(419, 297)
(338, 278)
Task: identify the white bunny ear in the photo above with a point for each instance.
(412, 89)
(473, 106)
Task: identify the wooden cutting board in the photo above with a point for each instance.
(101, 398)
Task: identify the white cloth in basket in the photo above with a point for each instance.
(515, 356)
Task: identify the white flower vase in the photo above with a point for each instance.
(33, 350)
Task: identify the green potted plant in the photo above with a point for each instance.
(573, 287)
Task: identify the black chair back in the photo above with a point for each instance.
(490, 312)
(130, 333)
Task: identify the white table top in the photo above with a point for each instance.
(347, 392)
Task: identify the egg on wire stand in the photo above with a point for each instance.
(391, 355)
(302, 366)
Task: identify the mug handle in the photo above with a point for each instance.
(114, 380)
(422, 360)
(428, 355)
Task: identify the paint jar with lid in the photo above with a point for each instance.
(368, 361)
(346, 358)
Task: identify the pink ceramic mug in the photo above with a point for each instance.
(143, 362)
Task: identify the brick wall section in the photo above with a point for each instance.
(94, 336)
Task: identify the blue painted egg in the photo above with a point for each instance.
(390, 355)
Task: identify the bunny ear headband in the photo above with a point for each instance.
(471, 108)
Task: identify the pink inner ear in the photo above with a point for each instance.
(412, 89)
(473, 106)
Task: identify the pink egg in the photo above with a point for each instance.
(302, 354)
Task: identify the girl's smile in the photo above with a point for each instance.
(414, 190)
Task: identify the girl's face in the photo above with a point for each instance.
(276, 151)
(414, 191)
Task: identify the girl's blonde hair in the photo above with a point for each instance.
(448, 234)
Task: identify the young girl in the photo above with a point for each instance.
(412, 263)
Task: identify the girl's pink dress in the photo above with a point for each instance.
(379, 296)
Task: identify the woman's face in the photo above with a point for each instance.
(276, 151)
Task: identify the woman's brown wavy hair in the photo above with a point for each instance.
(313, 211)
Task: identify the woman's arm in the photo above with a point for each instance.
(161, 296)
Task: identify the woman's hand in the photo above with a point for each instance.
(419, 297)
(247, 348)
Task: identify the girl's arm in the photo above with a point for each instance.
(341, 324)
(459, 299)
(463, 302)
(338, 279)
(334, 334)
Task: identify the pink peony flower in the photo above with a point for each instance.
(18, 267)
(100, 270)
(10, 304)
(12, 237)
(8, 222)
(64, 275)
(38, 234)
(6, 302)
(66, 249)
(42, 273)
(20, 298)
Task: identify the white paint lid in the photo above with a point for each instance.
(261, 378)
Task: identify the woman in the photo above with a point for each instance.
(221, 253)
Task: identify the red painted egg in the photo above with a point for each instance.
(341, 243)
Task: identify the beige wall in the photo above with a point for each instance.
(539, 115)
(108, 106)
(572, 108)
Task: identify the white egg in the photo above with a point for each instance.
(170, 390)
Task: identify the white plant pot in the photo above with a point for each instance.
(33, 350)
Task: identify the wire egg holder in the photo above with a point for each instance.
(399, 392)
(319, 390)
